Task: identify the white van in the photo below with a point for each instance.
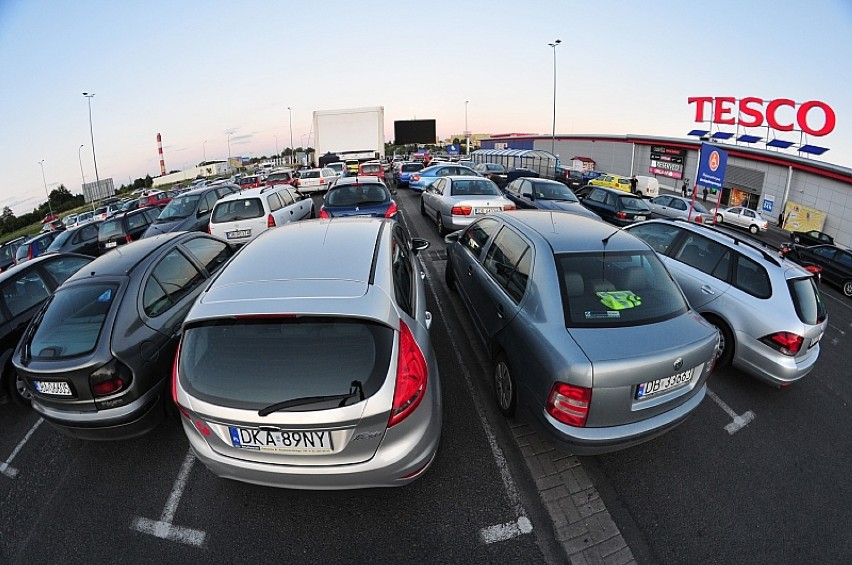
(649, 187)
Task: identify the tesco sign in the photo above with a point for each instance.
(750, 112)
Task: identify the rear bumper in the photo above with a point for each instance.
(595, 441)
(770, 366)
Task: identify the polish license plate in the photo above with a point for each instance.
(307, 442)
(639, 218)
(238, 234)
(110, 244)
(485, 210)
(55, 388)
(662, 385)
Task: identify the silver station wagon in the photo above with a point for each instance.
(584, 324)
(307, 363)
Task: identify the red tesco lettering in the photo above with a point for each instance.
(750, 113)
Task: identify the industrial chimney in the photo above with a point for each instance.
(160, 151)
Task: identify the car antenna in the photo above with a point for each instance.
(607, 238)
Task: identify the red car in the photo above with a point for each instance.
(371, 169)
(253, 181)
(49, 217)
(155, 199)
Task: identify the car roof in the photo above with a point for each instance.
(253, 192)
(10, 272)
(123, 259)
(345, 181)
(568, 232)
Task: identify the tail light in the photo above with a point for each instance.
(415, 177)
(270, 221)
(411, 376)
(324, 214)
(392, 210)
(209, 229)
(699, 219)
(509, 207)
(461, 210)
(110, 379)
(175, 373)
(29, 252)
(786, 343)
(127, 238)
(569, 404)
(322, 181)
(621, 215)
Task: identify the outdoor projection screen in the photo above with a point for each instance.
(414, 131)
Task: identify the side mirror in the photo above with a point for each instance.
(418, 244)
(452, 237)
(528, 195)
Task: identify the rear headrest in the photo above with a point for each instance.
(573, 284)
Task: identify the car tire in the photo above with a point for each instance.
(422, 207)
(726, 344)
(505, 390)
(719, 219)
(15, 388)
(847, 288)
(797, 239)
(753, 229)
(313, 213)
(442, 231)
(450, 275)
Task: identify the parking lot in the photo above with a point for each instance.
(758, 474)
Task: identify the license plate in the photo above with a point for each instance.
(485, 210)
(639, 218)
(238, 234)
(111, 244)
(56, 388)
(661, 385)
(281, 441)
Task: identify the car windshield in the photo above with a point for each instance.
(475, 187)
(72, 321)
(611, 289)
(285, 363)
(179, 208)
(234, 210)
(553, 191)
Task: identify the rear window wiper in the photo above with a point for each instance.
(355, 389)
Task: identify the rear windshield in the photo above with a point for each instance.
(353, 195)
(72, 321)
(475, 187)
(110, 229)
(371, 168)
(310, 174)
(235, 210)
(617, 289)
(807, 300)
(411, 167)
(252, 363)
(634, 204)
(278, 176)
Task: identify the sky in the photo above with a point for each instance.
(196, 72)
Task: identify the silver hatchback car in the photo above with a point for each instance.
(584, 325)
(768, 309)
(307, 362)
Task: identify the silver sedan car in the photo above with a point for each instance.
(742, 218)
(456, 201)
(584, 326)
(668, 206)
(315, 370)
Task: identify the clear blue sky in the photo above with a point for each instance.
(195, 71)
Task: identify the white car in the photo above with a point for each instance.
(241, 217)
(742, 218)
(338, 167)
(316, 180)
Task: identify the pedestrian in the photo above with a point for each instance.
(683, 187)
(781, 219)
(704, 194)
(633, 183)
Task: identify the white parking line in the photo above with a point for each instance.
(6, 467)
(739, 421)
(499, 532)
(163, 528)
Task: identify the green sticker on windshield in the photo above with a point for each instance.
(619, 299)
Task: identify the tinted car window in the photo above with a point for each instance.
(179, 208)
(475, 237)
(73, 323)
(658, 236)
(751, 277)
(502, 261)
(807, 300)
(705, 255)
(209, 252)
(172, 279)
(63, 267)
(24, 291)
(284, 351)
(473, 187)
(233, 210)
(110, 229)
(411, 167)
(402, 273)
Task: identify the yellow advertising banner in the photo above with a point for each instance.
(798, 217)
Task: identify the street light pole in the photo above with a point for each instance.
(553, 131)
(80, 158)
(49, 207)
(276, 145)
(229, 149)
(94, 158)
(204, 149)
(292, 159)
(466, 132)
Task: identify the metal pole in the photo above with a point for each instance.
(466, 132)
(276, 145)
(553, 131)
(204, 149)
(292, 158)
(94, 157)
(229, 149)
(49, 207)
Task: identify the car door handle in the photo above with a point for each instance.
(500, 311)
(707, 289)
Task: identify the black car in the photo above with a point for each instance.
(571, 178)
(616, 206)
(23, 289)
(125, 227)
(544, 194)
(7, 252)
(98, 355)
(836, 263)
(189, 211)
(82, 239)
(812, 237)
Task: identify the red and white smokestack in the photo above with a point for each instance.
(160, 151)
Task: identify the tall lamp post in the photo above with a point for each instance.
(229, 149)
(466, 131)
(89, 95)
(292, 159)
(80, 158)
(553, 131)
(276, 145)
(49, 207)
(204, 150)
